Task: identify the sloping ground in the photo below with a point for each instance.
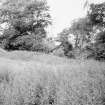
(48, 80)
(30, 56)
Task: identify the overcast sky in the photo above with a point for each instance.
(64, 11)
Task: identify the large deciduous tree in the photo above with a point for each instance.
(27, 20)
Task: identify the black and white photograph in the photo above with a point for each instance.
(52, 52)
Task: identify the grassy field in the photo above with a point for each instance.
(28, 78)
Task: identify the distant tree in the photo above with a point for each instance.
(63, 36)
(27, 20)
(82, 29)
(98, 48)
(96, 15)
(66, 45)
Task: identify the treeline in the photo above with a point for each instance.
(27, 22)
(89, 33)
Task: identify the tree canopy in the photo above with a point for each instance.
(97, 14)
(27, 20)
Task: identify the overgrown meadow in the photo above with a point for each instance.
(28, 78)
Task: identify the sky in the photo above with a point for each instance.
(63, 12)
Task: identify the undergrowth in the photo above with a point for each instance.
(60, 82)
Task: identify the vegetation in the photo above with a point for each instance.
(81, 29)
(27, 21)
(39, 81)
(87, 41)
(96, 16)
(66, 45)
(36, 78)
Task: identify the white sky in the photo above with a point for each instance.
(64, 11)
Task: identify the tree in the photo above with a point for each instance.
(96, 15)
(82, 29)
(66, 45)
(27, 20)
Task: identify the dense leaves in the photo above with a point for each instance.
(27, 21)
(97, 14)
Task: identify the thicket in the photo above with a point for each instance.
(27, 22)
(97, 15)
(89, 33)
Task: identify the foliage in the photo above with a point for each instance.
(82, 29)
(98, 48)
(27, 21)
(63, 36)
(66, 45)
(96, 15)
(100, 39)
(85, 31)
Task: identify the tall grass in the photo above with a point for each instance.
(50, 80)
